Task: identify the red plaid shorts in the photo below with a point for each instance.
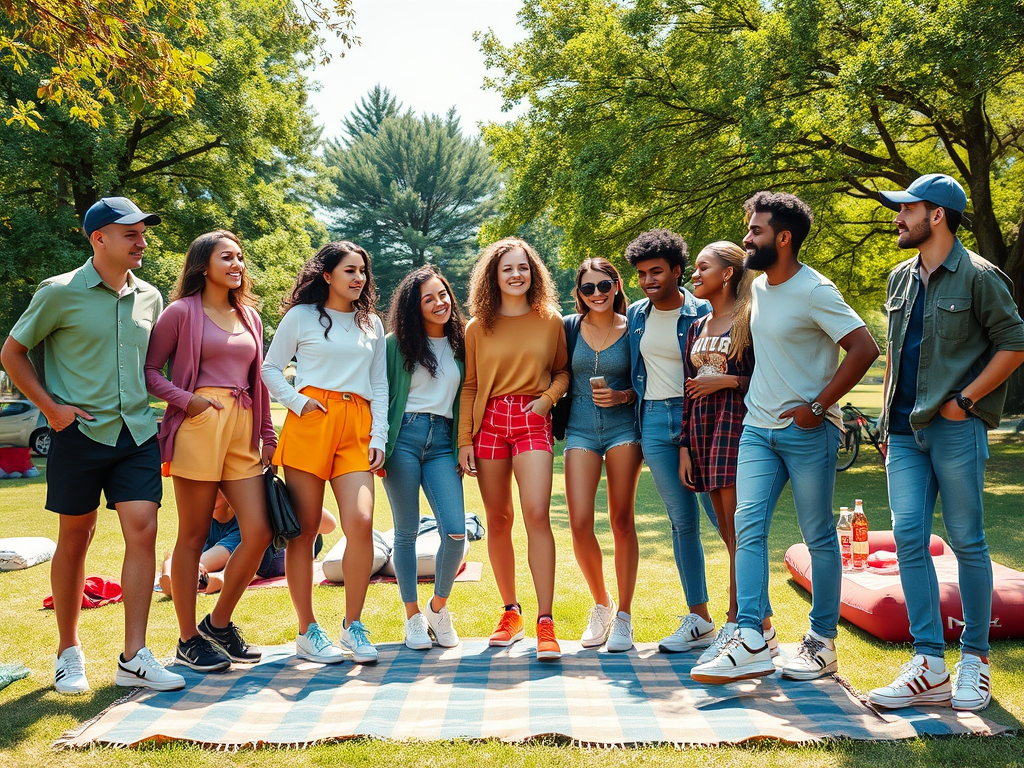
(508, 430)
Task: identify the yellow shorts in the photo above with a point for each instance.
(216, 444)
(327, 444)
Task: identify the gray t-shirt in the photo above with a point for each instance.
(796, 327)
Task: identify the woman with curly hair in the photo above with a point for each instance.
(216, 433)
(426, 365)
(335, 431)
(516, 370)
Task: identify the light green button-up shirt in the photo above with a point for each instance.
(95, 346)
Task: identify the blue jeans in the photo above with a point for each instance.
(768, 458)
(945, 458)
(659, 439)
(423, 456)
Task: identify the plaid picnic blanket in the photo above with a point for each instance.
(477, 692)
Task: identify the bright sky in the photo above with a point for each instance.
(422, 51)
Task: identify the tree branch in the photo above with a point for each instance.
(167, 163)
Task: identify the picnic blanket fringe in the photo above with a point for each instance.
(66, 738)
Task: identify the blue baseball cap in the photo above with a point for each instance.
(935, 188)
(115, 210)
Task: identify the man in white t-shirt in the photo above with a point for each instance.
(791, 433)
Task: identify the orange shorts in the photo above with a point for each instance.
(216, 444)
(327, 444)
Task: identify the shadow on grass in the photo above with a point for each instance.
(22, 716)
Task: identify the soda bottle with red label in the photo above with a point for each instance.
(860, 537)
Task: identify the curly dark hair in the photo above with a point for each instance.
(659, 244)
(485, 295)
(193, 274)
(788, 213)
(311, 287)
(405, 320)
(599, 265)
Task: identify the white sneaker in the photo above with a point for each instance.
(922, 680)
(69, 671)
(144, 671)
(743, 657)
(814, 658)
(725, 634)
(416, 636)
(972, 687)
(355, 642)
(440, 623)
(693, 633)
(620, 638)
(315, 645)
(599, 626)
(771, 637)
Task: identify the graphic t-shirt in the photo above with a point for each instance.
(710, 355)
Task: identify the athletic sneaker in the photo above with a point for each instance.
(725, 634)
(69, 671)
(315, 645)
(229, 640)
(511, 628)
(814, 658)
(972, 687)
(355, 642)
(143, 671)
(621, 637)
(441, 627)
(416, 636)
(693, 633)
(922, 680)
(200, 654)
(743, 657)
(599, 626)
(547, 644)
(771, 637)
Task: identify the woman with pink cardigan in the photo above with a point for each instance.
(216, 433)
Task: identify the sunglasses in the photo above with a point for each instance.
(605, 286)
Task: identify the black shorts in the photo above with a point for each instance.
(78, 469)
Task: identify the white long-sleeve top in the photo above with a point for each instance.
(350, 359)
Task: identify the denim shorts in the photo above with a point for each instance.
(598, 429)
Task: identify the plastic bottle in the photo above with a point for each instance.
(860, 537)
(844, 530)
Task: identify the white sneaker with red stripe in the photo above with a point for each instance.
(922, 680)
(972, 688)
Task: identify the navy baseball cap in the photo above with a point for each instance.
(115, 210)
(935, 188)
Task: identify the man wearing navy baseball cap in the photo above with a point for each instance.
(954, 337)
(94, 324)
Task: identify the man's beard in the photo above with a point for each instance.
(914, 237)
(763, 258)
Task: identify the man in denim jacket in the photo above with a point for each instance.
(954, 338)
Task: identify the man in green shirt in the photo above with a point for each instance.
(94, 324)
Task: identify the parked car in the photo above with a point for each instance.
(22, 425)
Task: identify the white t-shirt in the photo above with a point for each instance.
(796, 327)
(429, 394)
(659, 347)
(348, 360)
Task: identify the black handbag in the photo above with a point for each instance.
(279, 506)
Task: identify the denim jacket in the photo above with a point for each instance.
(969, 315)
(636, 317)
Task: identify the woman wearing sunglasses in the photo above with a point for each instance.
(602, 428)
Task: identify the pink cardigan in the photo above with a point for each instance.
(178, 337)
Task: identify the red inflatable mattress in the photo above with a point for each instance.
(873, 599)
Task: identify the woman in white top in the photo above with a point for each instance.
(335, 431)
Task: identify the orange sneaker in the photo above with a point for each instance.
(510, 629)
(547, 644)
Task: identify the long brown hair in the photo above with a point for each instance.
(312, 288)
(485, 295)
(405, 320)
(197, 260)
(731, 255)
(599, 265)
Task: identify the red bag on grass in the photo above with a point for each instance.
(99, 591)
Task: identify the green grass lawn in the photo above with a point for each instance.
(32, 715)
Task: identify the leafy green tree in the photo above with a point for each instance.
(412, 189)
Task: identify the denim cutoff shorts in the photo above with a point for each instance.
(600, 429)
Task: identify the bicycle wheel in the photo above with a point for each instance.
(849, 446)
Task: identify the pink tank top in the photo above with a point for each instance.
(225, 358)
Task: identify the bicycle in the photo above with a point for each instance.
(857, 425)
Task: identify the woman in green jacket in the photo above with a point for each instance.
(425, 354)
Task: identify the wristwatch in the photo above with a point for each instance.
(965, 402)
(818, 409)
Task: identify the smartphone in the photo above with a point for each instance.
(598, 382)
